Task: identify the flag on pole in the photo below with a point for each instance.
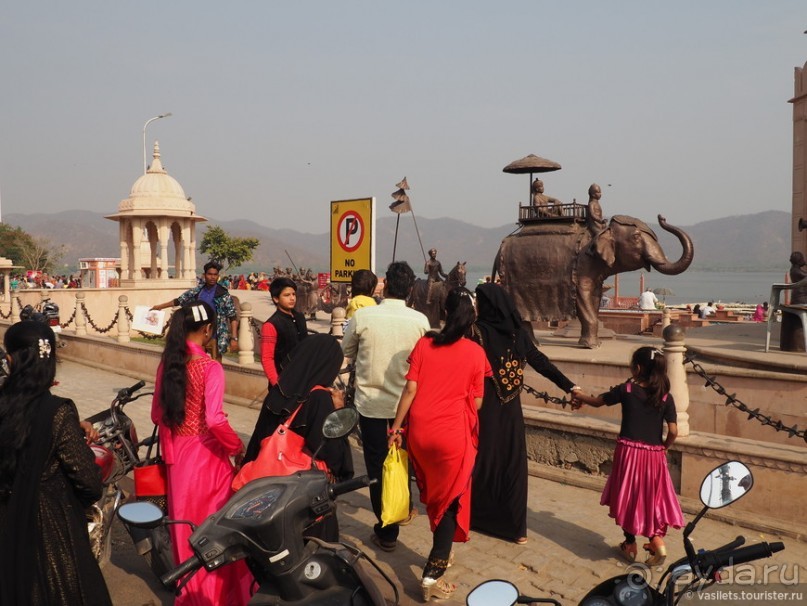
(401, 204)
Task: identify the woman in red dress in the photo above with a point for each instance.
(444, 388)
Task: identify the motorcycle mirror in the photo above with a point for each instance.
(493, 593)
(141, 514)
(725, 484)
(340, 422)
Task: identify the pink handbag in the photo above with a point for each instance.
(281, 454)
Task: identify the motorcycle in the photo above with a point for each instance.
(265, 522)
(694, 572)
(46, 311)
(117, 454)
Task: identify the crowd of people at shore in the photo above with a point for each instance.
(446, 396)
(43, 280)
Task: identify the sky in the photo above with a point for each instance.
(677, 108)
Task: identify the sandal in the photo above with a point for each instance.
(657, 552)
(436, 588)
(521, 541)
(628, 551)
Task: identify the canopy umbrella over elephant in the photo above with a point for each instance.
(530, 165)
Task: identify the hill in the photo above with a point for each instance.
(757, 242)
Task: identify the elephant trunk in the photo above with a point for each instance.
(673, 268)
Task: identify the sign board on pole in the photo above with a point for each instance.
(352, 238)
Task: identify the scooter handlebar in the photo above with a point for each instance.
(734, 557)
(350, 486)
(189, 565)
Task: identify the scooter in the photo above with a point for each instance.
(117, 454)
(265, 523)
(694, 572)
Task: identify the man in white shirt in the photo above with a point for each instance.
(648, 300)
(708, 310)
(380, 340)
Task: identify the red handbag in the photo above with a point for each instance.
(281, 454)
(150, 480)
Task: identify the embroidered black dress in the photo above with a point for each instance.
(499, 496)
(45, 555)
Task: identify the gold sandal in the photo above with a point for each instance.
(436, 588)
(657, 550)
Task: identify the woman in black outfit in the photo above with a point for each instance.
(48, 477)
(499, 497)
(307, 380)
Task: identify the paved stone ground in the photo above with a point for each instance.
(571, 539)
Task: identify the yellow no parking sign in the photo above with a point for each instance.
(352, 237)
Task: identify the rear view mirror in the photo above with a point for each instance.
(141, 514)
(725, 484)
(340, 422)
(493, 593)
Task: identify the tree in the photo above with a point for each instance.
(40, 254)
(219, 246)
(32, 252)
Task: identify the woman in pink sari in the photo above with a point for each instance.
(197, 443)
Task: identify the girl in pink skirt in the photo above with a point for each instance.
(639, 492)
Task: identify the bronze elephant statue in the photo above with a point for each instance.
(555, 271)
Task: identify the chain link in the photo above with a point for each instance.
(732, 400)
(66, 324)
(94, 325)
(5, 316)
(542, 395)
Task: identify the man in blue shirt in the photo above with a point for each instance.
(219, 298)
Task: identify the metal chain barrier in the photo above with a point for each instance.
(542, 395)
(732, 400)
(11, 305)
(66, 324)
(94, 325)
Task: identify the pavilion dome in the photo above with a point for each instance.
(157, 192)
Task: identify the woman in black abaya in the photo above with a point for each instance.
(499, 497)
(306, 383)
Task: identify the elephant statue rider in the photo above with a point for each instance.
(434, 272)
(556, 272)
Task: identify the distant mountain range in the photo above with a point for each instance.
(758, 242)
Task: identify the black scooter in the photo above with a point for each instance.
(265, 522)
(695, 572)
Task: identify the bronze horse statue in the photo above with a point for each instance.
(435, 310)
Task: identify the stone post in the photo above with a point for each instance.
(15, 308)
(665, 318)
(674, 350)
(246, 344)
(123, 320)
(337, 321)
(81, 321)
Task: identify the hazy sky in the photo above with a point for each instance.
(280, 107)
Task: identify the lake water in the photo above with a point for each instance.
(750, 287)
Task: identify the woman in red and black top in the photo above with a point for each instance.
(283, 330)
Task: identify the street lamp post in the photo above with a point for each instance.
(149, 121)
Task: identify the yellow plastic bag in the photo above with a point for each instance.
(395, 487)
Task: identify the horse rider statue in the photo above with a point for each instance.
(434, 270)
